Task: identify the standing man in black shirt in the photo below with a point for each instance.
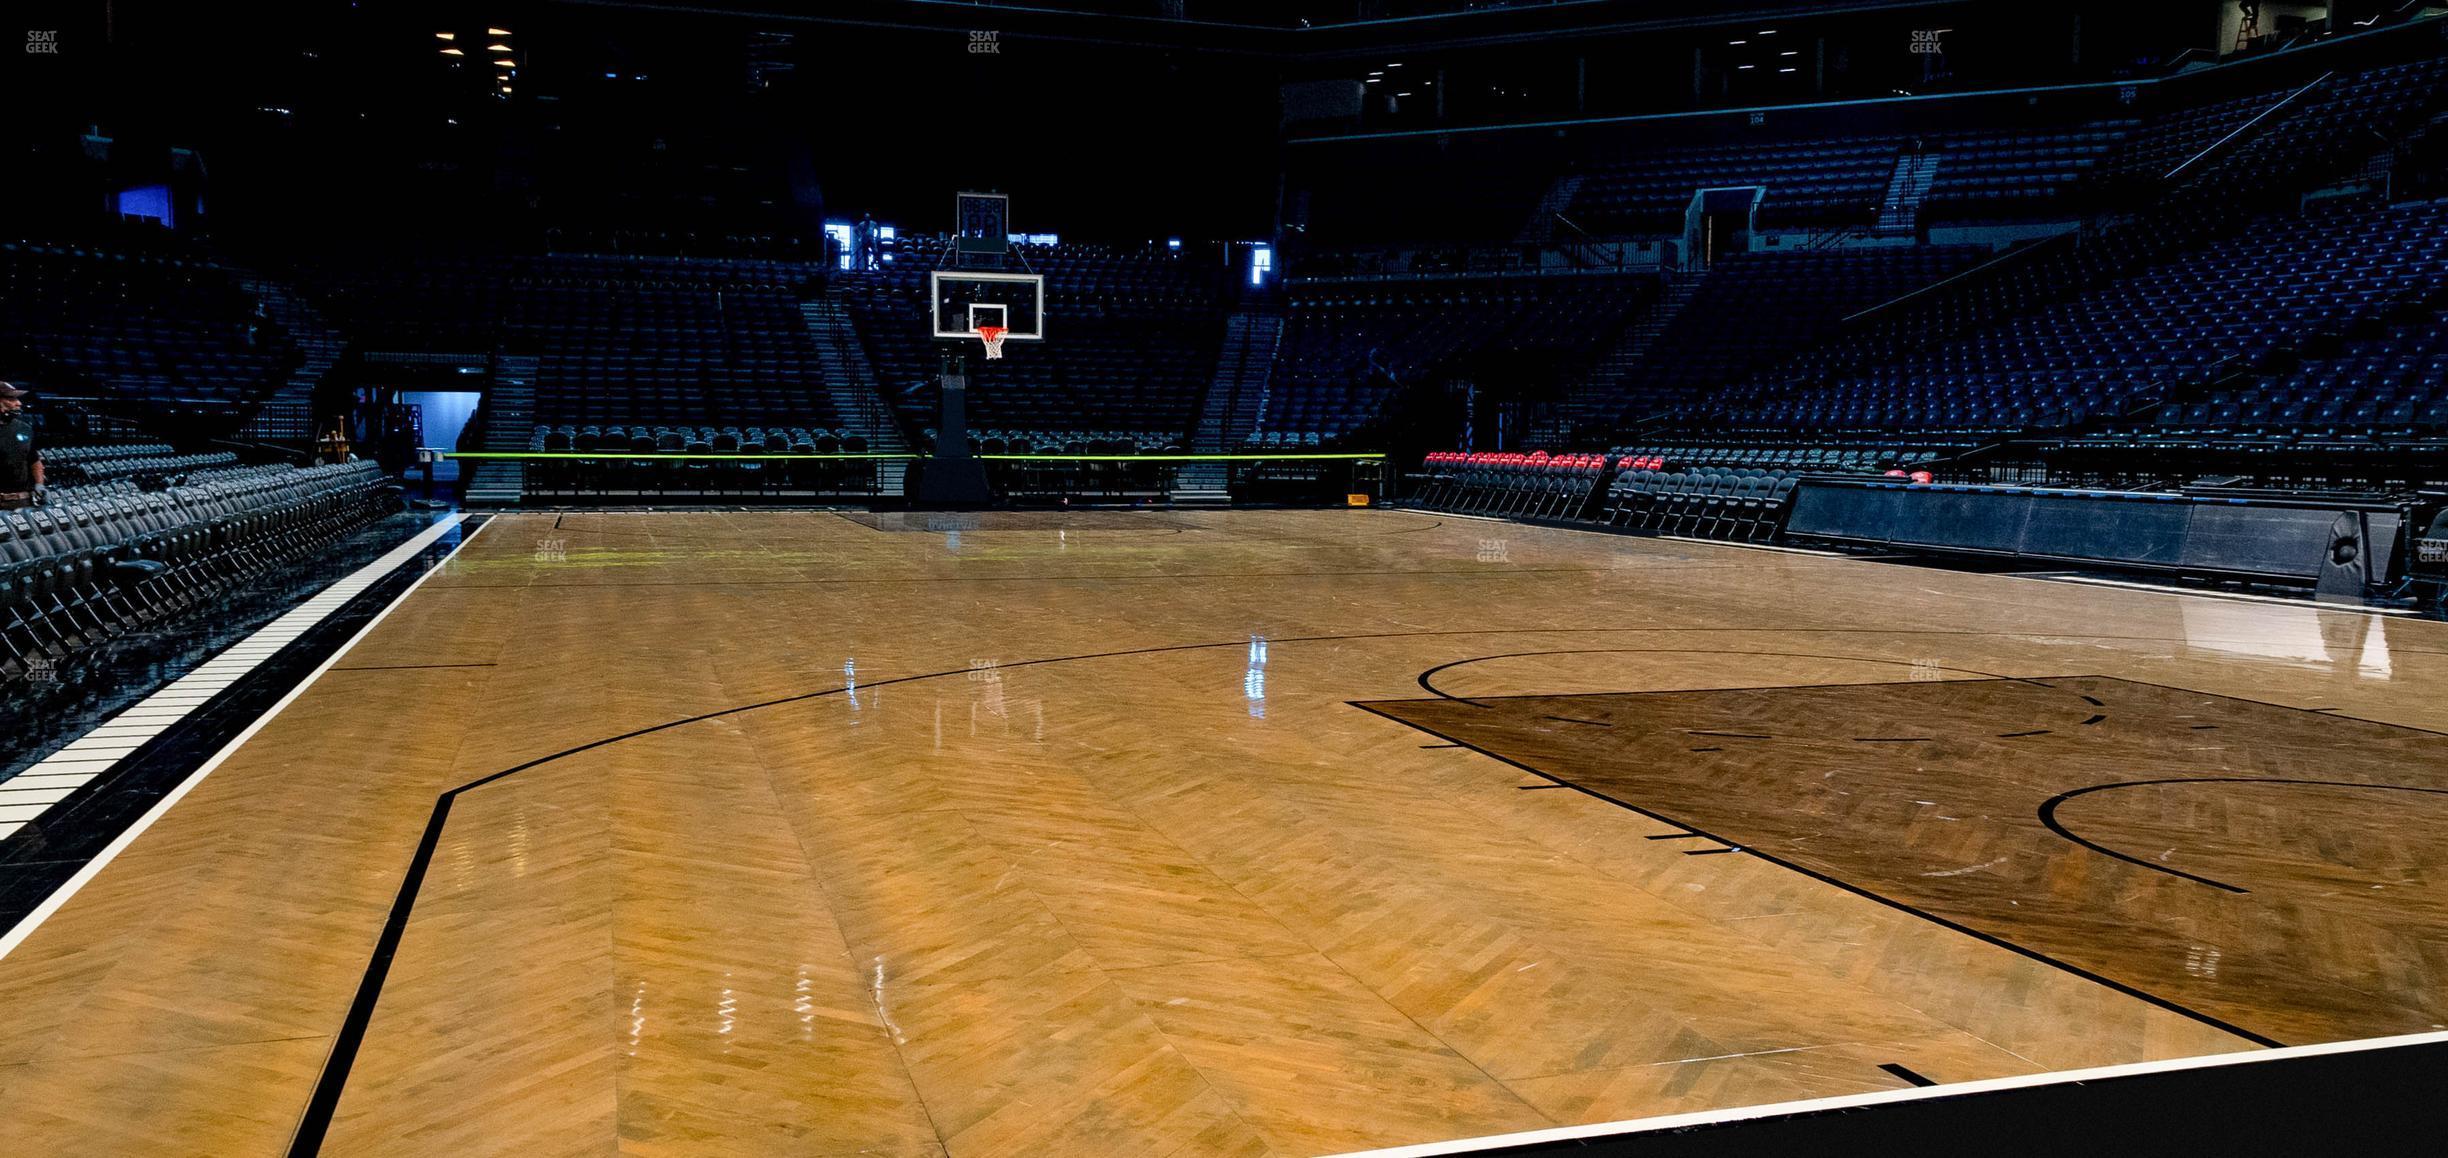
(21, 468)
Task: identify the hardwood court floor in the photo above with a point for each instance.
(1053, 835)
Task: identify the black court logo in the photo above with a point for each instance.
(42, 42)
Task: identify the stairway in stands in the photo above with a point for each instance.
(1540, 228)
(509, 423)
(1595, 400)
(288, 414)
(1900, 209)
(1235, 399)
(850, 381)
(2426, 138)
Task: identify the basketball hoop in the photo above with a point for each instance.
(993, 337)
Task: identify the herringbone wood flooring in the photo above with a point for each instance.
(1064, 837)
(2310, 843)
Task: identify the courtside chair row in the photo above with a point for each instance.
(1534, 485)
(1635, 492)
(108, 557)
(97, 470)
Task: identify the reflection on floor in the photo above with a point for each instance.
(763, 832)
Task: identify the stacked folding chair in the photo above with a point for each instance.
(103, 558)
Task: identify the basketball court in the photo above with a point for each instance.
(1247, 832)
(1560, 580)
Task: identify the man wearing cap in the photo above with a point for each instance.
(21, 468)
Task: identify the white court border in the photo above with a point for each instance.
(244, 656)
(1637, 1126)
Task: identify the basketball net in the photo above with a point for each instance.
(993, 337)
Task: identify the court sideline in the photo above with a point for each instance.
(987, 834)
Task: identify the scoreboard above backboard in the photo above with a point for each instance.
(981, 223)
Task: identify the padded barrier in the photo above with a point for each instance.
(2250, 538)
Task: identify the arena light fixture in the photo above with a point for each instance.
(452, 52)
(505, 64)
(497, 48)
(497, 32)
(446, 36)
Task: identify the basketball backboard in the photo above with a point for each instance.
(966, 299)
